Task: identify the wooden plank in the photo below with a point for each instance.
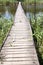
(19, 48)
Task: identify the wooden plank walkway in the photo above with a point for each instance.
(19, 47)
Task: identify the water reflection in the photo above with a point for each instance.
(27, 14)
(11, 9)
(7, 15)
(31, 15)
(39, 14)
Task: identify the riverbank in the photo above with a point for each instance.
(34, 8)
(27, 7)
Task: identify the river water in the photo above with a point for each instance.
(9, 10)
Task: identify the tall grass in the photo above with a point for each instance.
(37, 28)
(5, 26)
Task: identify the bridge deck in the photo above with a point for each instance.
(19, 47)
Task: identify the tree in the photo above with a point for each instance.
(20, 0)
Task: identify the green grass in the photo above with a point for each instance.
(5, 26)
(37, 28)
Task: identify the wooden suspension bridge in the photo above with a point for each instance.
(19, 48)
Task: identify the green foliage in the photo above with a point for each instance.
(37, 27)
(5, 26)
(33, 1)
(25, 1)
(7, 1)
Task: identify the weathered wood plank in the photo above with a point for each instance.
(19, 48)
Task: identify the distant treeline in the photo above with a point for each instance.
(25, 1)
